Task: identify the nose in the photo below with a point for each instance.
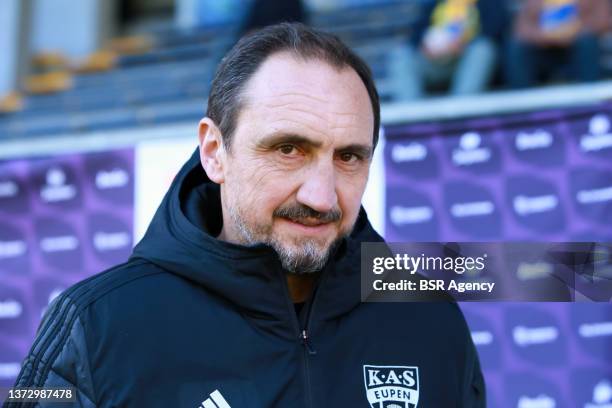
(319, 188)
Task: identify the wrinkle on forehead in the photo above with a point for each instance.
(310, 93)
(282, 74)
(298, 94)
(308, 97)
(290, 101)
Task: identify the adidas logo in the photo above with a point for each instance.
(215, 400)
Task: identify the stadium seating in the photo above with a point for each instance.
(167, 78)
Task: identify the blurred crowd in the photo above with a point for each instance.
(445, 47)
(466, 46)
(461, 47)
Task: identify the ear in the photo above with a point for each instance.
(212, 152)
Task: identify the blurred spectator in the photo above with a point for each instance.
(268, 12)
(454, 41)
(549, 34)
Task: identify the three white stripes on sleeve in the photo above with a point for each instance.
(216, 400)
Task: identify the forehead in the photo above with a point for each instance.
(309, 94)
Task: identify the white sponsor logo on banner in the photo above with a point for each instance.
(599, 329)
(469, 151)
(597, 195)
(524, 205)
(540, 139)
(12, 249)
(8, 189)
(410, 152)
(9, 370)
(482, 337)
(602, 395)
(10, 309)
(533, 270)
(541, 401)
(106, 241)
(526, 336)
(59, 243)
(599, 137)
(56, 188)
(410, 215)
(112, 179)
(472, 209)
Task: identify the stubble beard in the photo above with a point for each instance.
(300, 257)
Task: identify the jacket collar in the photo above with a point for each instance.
(181, 239)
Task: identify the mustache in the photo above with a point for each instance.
(299, 212)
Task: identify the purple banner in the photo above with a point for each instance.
(62, 219)
(544, 176)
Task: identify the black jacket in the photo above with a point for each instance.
(189, 315)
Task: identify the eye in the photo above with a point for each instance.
(287, 149)
(348, 157)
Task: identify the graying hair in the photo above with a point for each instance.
(241, 62)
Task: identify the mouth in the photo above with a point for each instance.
(308, 225)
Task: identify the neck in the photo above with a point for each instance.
(223, 234)
(301, 286)
(228, 234)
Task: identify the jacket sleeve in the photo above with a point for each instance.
(473, 383)
(58, 357)
(475, 390)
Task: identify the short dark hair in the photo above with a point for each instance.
(241, 62)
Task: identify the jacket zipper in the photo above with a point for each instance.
(303, 338)
(310, 350)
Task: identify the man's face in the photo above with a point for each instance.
(299, 160)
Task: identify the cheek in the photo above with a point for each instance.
(349, 196)
(259, 190)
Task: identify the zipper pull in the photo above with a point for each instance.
(304, 337)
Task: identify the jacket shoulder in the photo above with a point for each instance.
(58, 356)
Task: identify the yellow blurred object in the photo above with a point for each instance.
(11, 102)
(50, 59)
(103, 60)
(131, 45)
(49, 82)
(557, 3)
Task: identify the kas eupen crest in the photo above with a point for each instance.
(391, 386)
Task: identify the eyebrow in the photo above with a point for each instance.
(279, 138)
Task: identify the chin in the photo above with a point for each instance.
(300, 241)
(296, 242)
